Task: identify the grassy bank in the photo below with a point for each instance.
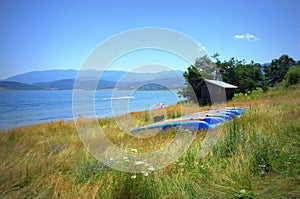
(256, 156)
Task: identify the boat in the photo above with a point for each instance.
(204, 120)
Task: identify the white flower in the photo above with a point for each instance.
(133, 177)
(151, 168)
(125, 158)
(112, 159)
(139, 162)
(145, 173)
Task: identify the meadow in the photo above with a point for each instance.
(256, 156)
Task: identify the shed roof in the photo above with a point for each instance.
(220, 83)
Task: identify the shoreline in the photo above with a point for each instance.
(24, 108)
(72, 120)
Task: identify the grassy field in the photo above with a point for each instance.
(256, 156)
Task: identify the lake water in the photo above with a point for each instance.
(22, 108)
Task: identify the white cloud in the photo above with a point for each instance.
(247, 36)
(201, 48)
(239, 36)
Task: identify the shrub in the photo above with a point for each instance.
(292, 77)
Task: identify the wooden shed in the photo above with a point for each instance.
(213, 91)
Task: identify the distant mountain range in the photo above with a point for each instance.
(65, 79)
(11, 85)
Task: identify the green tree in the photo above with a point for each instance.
(278, 68)
(193, 77)
(207, 67)
(247, 77)
(292, 76)
(204, 68)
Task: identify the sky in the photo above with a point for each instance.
(61, 34)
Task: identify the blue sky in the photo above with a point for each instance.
(60, 34)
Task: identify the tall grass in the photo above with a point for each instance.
(256, 156)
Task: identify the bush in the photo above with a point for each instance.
(292, 77)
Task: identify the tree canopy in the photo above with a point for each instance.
(193, 78)
(246, 76)
(292, 76)
(206, 67)
(278, 68)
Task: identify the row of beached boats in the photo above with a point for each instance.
(204, 120)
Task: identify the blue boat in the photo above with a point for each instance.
(197, 121)
(185, 125)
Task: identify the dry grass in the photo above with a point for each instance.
(50, 161)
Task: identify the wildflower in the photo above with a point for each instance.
(145, 173)
(133, 177)
(92, 164)
(139, 162)
(125, 158)
(262, 165)
(104, 162)
(151, 168)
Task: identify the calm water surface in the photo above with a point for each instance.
(22, 108)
